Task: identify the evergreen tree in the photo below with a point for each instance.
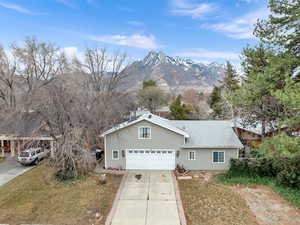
(230, 81)
(149, 83)
(179, 111)
(282, 28)
(216, 103)
(265, 73)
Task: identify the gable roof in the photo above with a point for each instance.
(157, 120)
(208, 134)
(199, 133)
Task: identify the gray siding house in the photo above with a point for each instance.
(154, 143)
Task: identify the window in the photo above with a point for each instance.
(144, 133)
(192, 155)
(218, 157)
(115, 154)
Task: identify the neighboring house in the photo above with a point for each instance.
(156, 143)
(162, 111)
(250, 136)
(25, 130)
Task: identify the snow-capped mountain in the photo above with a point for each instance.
(174, 73)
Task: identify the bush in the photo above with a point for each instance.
(63, 176)
(290, 173)
(255, 166)
(286, 171)
(281, 145)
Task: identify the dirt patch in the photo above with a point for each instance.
(209, 203)
(204, 175)
(268, 206)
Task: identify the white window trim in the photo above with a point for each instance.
(139, 132)
(194, 155)
(113, 154)
(212, 159)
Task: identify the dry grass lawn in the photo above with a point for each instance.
(36, 197)
(2, 159)
(208, 203)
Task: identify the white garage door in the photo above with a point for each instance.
(145, 159)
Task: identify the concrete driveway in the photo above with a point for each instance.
(10, 168)
(149, 200)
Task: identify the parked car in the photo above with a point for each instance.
(32, 156)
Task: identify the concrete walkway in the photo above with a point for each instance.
(149, 200)
(10, 168)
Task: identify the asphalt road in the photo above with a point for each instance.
(10, 169)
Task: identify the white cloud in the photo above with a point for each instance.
(17, 8)
(194, 10)
(135, 23)
(241, 27)
(73, 51)
(135, 40)
(207, 55)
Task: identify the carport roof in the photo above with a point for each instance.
(23, 125)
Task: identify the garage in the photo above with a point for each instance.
(150, 159)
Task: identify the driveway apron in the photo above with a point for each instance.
(148, 198)
(10, 169)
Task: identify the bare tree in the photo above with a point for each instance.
(104, 70)
(38, 64)
(7, 80)
(77, 112)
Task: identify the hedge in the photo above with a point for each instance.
(285, 170)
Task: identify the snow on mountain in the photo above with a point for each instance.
(174, 73)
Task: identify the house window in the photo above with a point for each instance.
(192, 155)
(218, 157)
(144, 133)
(115, 154)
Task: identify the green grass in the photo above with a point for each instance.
(291, 194)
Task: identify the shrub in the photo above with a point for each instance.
(255, 166)
(290, 173)
(281, 145)
(286, 171)
(63, 176)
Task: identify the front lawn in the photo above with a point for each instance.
(291, 194)
(208, 203)
(36, 197)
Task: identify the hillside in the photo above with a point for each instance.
(174, 73)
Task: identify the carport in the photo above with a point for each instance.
(23, 130)
(14, 145)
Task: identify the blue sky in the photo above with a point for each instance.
(211, 30)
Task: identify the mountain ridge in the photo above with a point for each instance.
(174, 73)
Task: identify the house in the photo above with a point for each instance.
(162, 111)
(24, 130)
(155, 143)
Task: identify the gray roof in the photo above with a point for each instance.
(23, 125)
(160, 121)
(208, 134)
(199, 133)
